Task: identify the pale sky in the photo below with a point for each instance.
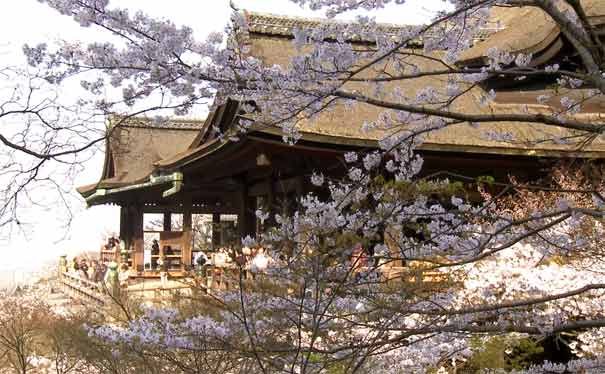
(28, 21)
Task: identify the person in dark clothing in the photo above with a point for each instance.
(83, 269)
(101, 273)
(167, 252)
(155, 251)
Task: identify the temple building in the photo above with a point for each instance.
(182, 169)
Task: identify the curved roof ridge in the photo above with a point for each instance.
(281, 18)
(192, 124)
(284, 25)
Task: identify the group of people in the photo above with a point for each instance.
(112, 244)
(248, 258)
(95, 270)
(110, 250)
(163, 262)
(91, 270)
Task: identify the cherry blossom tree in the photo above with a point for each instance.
(44, 142)
(520, 268)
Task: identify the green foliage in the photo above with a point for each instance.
(410, 190)
(488, 355)
(523, 353)
(503, 352)
(486, 179)
(337, 367)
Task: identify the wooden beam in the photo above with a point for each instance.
(317, 143)
(187, 222)
(243, 207)
(216, 231)
(294, 184)
(137, 237)
(299, 186)
(251, 217)
(195, 209)
(271, 202)
(246, 217)
(260, 189)
(167, 221)
(126, 225)
(187, 233)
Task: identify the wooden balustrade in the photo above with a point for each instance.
(429, 280)
(84, 289)
(226, 277)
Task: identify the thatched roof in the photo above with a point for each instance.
(527, 30)
(273, 46)
(136, 144)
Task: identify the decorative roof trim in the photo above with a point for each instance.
(152, 123)
(279, 25)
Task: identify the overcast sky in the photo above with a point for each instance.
(28, 21)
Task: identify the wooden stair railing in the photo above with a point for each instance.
(83, 289)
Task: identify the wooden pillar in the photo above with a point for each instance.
(137, 238)
(216, 230)
(246, 218)
(271, 203)
(251, 219)
(241, 214)
(167, 222)
(300, 187)
(187, 233)
(126, 225)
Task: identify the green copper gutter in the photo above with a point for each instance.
(175, 178)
